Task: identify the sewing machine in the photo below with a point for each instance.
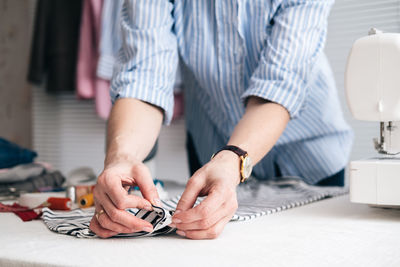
(372, 83)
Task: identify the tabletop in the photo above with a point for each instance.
(330, 232)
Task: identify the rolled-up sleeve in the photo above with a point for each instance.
(297, 38)
(148, 59)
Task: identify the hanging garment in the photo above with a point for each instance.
(55, 44)
(109, 44)
(103, 99)
(88, 49)
(89, 85)
(255, 198)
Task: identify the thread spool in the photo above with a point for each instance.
(59, 203)
(33, 200)
(70, 193)
(86, 201)
(81, 190)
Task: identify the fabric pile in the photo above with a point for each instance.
(18, 172)
(255, 198)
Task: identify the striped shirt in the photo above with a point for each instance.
(110, 38)
(230, 50)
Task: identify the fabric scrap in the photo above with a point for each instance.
(25, 213)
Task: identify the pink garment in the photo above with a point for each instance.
(178, 106)
(88, 84)
(103, 100)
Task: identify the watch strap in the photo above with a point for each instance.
(237, 150)
(242, 155)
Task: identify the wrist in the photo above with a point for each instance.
(113, 159)
(231, 161)
(122, 148)
(245, 163)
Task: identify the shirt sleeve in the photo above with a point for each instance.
(297, 39)
(148, 59)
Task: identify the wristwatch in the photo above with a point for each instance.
(246, 165)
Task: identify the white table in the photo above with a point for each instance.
(332, 232)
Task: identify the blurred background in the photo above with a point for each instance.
(67, 131)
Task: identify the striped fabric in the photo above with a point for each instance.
(231, 50)
(76, 222)
(255, 199)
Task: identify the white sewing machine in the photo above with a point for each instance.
(372, 82)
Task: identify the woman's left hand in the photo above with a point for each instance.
(217, 180)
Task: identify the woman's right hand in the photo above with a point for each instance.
(111, 199)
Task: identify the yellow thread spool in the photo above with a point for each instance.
(86, 201)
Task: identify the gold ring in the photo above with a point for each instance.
(99, 213)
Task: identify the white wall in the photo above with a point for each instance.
(68, 133)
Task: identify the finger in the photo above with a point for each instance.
(121, 199)
(125, 218)
(209, 206)
(100, 231)
(206, 222)
(146, 185)
(189, 196)
(210, 233)
(104, 220)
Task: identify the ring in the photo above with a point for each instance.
(99, 213)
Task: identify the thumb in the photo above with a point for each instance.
(192, 190)
(144, 181)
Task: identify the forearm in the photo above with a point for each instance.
(132, 130)
(257, 132)
(260, 127)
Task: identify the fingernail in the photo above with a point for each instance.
(157, 202)
(181, 233)
(147, 229)
(177, 212)
(172, 225)
(176, 220)
(149, 208)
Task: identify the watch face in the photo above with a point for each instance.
(247, 167)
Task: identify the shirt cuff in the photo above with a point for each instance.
(105, 66)
(159, 98)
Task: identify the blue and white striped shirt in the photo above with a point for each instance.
(110, 38)
(230, 50)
